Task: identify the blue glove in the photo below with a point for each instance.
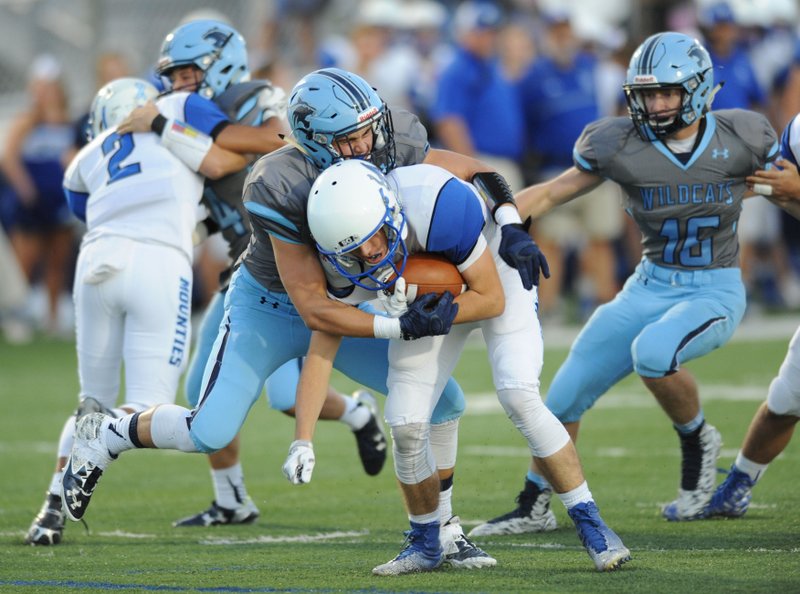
(429, 315)
(519, 251)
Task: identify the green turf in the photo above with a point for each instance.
(326, 536)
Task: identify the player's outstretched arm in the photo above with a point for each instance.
(312, 390)
(537, 200)
(253, 140)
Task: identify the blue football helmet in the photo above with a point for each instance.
(253, 102)
(331, 103)
(218, 50)
(349, 203)
(669, 60)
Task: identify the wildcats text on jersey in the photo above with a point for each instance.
(662, 196)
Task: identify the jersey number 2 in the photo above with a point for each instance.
(683, 246)
(122, 147)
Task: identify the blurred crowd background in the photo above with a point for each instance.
(512, 82)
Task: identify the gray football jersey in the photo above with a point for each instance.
(687, 213)
(276, 194)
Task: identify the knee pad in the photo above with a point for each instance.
(413, 456)
(444, 443)
(543, 431)
(650, 359)
(781, 399)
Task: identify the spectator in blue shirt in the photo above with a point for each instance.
(477, 111)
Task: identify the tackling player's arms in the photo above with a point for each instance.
(313, 384)
(304, 279)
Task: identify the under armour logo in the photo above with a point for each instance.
(720, 153)
(264, 300)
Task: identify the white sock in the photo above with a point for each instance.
(229, 489)
(169, 429)
(55, 483)
(67, 437)
(354, 416)
(117, 434)
(425, 518)
(445, 505)
(752, 469)
(580, 494)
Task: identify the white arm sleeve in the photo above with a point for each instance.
(189, 145)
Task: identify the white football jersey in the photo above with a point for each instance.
(137, 188)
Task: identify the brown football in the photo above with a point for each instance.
(429, 273)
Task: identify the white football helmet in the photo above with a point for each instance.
(116, 100)
(349, 203)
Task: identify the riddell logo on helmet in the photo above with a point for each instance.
(644, 79)
(370, 113)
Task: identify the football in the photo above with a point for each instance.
(429, 273)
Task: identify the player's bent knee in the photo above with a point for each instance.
(545, 434)
(782, 399)
(413, 457)
(650, 359)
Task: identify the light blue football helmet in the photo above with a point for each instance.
(349, 203)
(669, 60)
(217, 49)
(115, 101)
(331, 103)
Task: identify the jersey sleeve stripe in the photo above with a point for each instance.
(270, 214)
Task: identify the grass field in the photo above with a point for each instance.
(326, 536)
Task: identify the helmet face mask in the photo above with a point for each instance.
(217, 50)
(349, 203)
(330, 105)
(115, 101)
(663, 62)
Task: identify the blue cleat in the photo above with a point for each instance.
(603, 545)
(732, 497)
(422, 552)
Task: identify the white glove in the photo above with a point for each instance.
(395, 304)
(300, 462)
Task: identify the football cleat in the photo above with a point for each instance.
(533, 514)
(732, 497)
(216, 515)
(698, 467)
(459, 551)
(47, 527)
(90, 405)
(603, 545)
(371, 438)
(85, 465)
(420, 553)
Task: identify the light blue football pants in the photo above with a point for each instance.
(662, 317)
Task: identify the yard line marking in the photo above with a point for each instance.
(303, 538)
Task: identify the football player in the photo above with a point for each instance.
(133, 279)
(365, 226)
(682, 170)
(259, 103)
(334, 115)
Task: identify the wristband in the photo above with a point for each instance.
(507, 216)
(158, 123)
(383, 327)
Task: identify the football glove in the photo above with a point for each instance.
(519, 251)
(300, 462)
(395, 304)
(429, 315)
